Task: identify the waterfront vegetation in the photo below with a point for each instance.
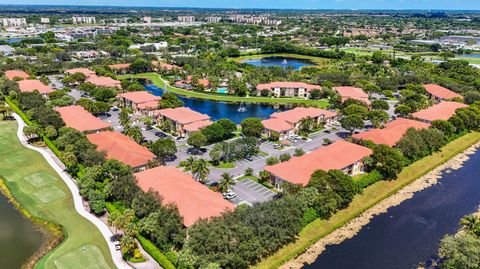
(370, 196)
(318, 61)
(158, 81)
(39, 190)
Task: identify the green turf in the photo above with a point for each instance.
(82, 257)
(43, 193)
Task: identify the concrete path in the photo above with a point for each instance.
(77, 199)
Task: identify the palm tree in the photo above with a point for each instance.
(190, 163)
(200, 170)
(123, 118)
(306, 124)
(134, 133)
(226, 182)
(471, 224)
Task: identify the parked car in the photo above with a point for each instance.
(160, 134)
(278, 196)
(117, 246)
(196, 151)
(229, 195)
(249, 158)
(277, 146)
(115, 108)
(181, 139)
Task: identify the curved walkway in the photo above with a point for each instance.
(77, 199)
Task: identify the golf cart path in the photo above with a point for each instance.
(77, 199)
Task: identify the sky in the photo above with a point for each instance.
(284, 4)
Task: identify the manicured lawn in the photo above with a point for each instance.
(159, 82)
(43, 193)
(225, 165)
(370, 196)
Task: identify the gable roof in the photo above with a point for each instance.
(119, 66)
(441, 92)
(347, 92)
(104, 81)
(87, 72)
(277, 125)
(295, 115)
(392, 132)
(78, 118)
(139, 97)
(194, 200)
(120, 147)
(182, 115)
(12, 74)
(30, 85)
(197, 125)
(338, 155)
(441, 111)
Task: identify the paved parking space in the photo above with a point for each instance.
(247, 162)
(251, 191)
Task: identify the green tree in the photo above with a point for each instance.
(284, 157)
(403, 110)
(252, 127)
(200, 170)
(271, 161)
(460, 251)
(170, 100)
(197, 140)
(380, 104)
(135, 133)
(378, 118)
(352, 122)
(164, 148)
(388, 161)
(444, 126)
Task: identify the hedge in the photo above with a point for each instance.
(156, 254)
(368, 179)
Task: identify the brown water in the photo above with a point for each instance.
(18, 237)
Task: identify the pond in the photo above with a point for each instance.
(218, 110)
(409, 234)
(473, 55)
(285, 62)
(18, 238)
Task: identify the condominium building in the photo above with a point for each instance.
(214, 19)
(13, 21)
(83, 20)
(186, 18)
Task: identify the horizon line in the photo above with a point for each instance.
(243, 8)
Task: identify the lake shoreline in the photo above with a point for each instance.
(354, 226)
(52, 234)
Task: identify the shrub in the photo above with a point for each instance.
(249, 171)
(156, 254)
(368, 179)
(271, 161)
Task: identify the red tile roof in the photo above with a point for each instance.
(78, 118)
(11, 74)
(294, 85)
(182, 115)
(121, 148)
(441, 111)
(196, 126)
(441, 92)
(193, 200)
(347, 92)
(139, 97)
(392, 132)
(165, 65)
(104, 82)
(119, 66)
(204, 82)
(277, 125)
(29, 85)
(150, 105)
(295, 115)
(338, 155)
(87, 72)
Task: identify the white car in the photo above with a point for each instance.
(229, 195)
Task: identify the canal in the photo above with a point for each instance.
(218, 110)
(409, 234)
(18, 238)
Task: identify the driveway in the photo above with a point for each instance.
(252, 192)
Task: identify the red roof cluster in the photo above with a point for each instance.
(289, 85)
(441, 111)
(165, 65)
(441, 92)
(277, 125)
(285, 120)
(78, 118)
(194, 200)
(392, 132)
(30, 85)
(12, 74)
(347, 92)
(120, 147)
(338, 155)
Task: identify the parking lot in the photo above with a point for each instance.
(251, 191)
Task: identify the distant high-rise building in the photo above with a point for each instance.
(13, 21)
(83, 20)
(214, 19)
(44, 20)
(186, 18)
